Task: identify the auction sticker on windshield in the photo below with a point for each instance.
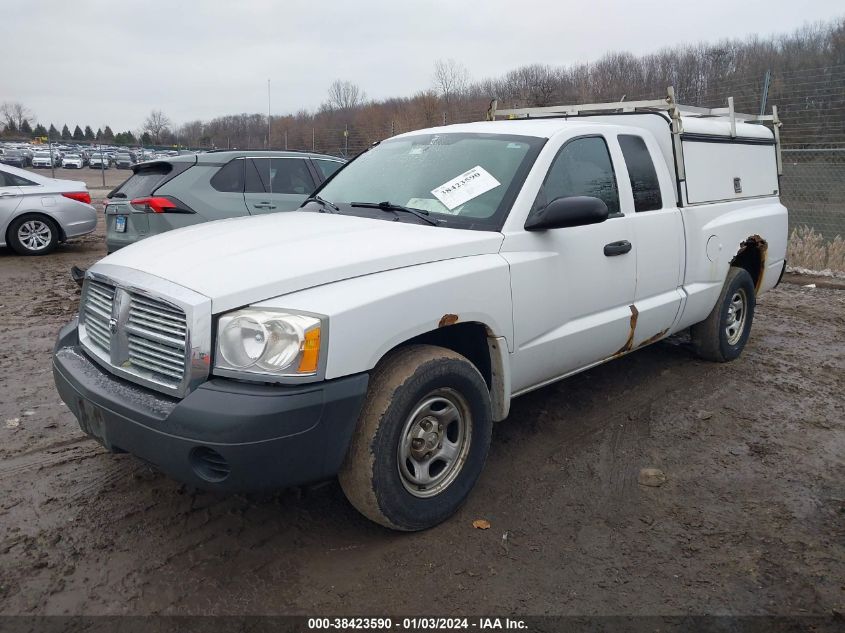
(470, 184)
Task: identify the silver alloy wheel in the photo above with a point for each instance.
(35, 235)
(737, 309)
(434, 443)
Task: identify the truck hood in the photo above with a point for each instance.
(240, 261)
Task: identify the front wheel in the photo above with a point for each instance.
(722, 336)
(421, 441)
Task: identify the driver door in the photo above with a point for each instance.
(572, 295)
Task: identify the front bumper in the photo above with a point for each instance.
(225, 435)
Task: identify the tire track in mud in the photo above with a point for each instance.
(76, 450)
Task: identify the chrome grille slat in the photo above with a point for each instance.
(155, 369)
(177, 354)
(163, 326)
(155, 306)
(152, 334)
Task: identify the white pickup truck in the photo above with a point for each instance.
(377, 333)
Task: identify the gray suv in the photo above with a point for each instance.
(172, 193)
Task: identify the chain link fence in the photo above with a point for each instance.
(813, 189)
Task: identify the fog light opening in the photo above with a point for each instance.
(209, 465)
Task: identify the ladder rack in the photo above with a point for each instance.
(668, 104)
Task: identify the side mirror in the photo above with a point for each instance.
(565, 212)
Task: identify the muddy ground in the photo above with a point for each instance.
(751, 518)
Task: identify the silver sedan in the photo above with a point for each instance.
(37, 213)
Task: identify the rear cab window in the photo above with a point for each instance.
(641, 173)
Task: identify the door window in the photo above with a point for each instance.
(327, 167)
(253, 182)
(641, 172)
(284, 175)
(581, 168)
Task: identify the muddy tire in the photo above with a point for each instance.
(33, 235)
(722, 336)
(421, 441)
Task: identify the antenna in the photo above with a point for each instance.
(269, 167)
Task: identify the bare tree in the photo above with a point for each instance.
(14, 113)
(345, 96)
(156, 124)
(451, 79)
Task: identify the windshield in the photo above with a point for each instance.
(463, 180)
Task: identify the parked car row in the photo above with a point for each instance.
(44, 156)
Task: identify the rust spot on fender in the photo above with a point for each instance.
(448, 319)
(633, 328)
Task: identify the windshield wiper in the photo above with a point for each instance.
(422, 214)
(325, 204)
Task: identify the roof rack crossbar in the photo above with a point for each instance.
(667, 104)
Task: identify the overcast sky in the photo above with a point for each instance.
(99, 62)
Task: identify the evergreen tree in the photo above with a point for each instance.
(108, 135)
(78, 135)
(66, 133)
(99, 135)
(39, 131)
(26, 128)
(53, 133)
(11, 129)
(145, 139)
(89, 133)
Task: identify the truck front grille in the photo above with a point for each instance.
(136, 334)
(156, 334)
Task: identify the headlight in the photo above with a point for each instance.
(268, 344)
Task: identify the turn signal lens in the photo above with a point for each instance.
(310, 352)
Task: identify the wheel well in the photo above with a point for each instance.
(467, 339)
(752, 257)
(33, 214)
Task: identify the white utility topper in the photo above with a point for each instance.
(377, 332)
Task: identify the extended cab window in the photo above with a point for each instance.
(641, 172)
(230, 177)
(581, 168)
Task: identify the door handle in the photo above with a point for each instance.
(617, 248)
(7, 194)
(264, 205)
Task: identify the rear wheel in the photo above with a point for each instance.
(33, 235)
(421, 441)
(723, 334)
